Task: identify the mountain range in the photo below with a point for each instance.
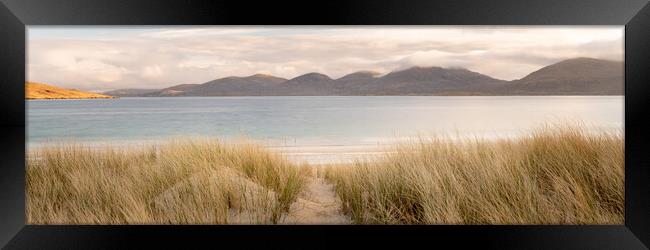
(577, 76)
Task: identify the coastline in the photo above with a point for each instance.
(71, 98)
(314, 152)
(311, 154)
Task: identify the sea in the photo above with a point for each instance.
(316, 129)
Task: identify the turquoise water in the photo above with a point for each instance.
(332, 120)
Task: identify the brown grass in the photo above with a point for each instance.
(43, 91)
(555, 175)
(186, 181)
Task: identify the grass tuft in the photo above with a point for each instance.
(554, 175)
(184, 181)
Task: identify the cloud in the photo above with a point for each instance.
(152, 72)
(111, 58)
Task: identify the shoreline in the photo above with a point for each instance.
(313, 155)
(71, 98)
(312, 152)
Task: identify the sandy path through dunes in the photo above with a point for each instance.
(320, 205)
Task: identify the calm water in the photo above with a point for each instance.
(309, 121)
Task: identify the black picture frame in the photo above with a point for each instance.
(15, 15)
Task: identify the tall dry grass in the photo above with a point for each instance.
(555, 175)
(186, 181)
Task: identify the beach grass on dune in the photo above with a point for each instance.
(184, 181)
(554, 175)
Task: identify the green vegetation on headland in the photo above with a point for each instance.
(561, 175)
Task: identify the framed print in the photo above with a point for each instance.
(506, 125)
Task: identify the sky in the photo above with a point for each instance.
(100, 58)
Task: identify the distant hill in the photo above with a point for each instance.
(578, 76)
(351, 84)
(43, 91)
(428, 81)
(130, 92)
(257, 85)
(172, 91)
(309, 84)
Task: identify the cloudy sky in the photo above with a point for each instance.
(99, 58)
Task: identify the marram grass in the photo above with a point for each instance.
(554, 175)
(186, 181)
